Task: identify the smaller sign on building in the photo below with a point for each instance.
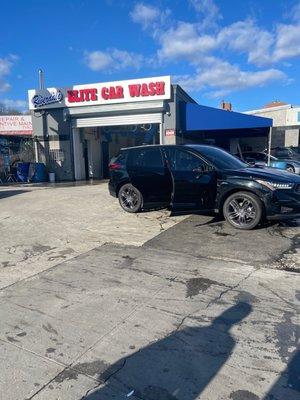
(170, 132)
(15, 125)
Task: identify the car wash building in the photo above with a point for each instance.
(77, 130)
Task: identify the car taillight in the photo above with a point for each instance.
(114, 166)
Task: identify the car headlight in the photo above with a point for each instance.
(275, 185)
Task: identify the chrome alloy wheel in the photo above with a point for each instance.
(129, 198)
(241, 211)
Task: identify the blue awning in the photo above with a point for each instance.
(203, 118)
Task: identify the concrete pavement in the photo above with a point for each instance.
(164, 324)
(190, 312)
(42, 226)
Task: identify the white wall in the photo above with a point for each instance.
(278, 114)
(293, 115)
(291, 137)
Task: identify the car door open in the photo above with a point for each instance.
(194, 180)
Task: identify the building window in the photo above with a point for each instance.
(298, 119)
(57, 155)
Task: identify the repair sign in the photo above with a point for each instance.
(15, 125)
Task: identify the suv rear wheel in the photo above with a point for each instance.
(243, 210)
(130, 198)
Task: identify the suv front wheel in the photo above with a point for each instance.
(130, 198)
(243, 210)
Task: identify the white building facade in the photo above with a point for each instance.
(286, 123)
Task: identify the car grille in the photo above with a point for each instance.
(297, 189)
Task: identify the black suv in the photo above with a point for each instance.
(206, 178)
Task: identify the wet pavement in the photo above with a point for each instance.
(273, 245)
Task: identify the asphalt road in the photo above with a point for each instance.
(178, 309)
(274, 245)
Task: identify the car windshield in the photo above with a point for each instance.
(220, 158)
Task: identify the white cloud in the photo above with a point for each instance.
(247, 37)
(184, 42)
(203, 43)
(6, 65)
(208, 11)
(20, 105)
(144, 14)
(187, 41)
(98, 60)
(112, 60)
(294, 13)
(223, 77)
(287, 42)
(151, 18)
(4, 86)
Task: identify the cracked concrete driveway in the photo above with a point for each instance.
(171, 311)
(42, 226)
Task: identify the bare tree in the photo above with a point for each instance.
(4, 110)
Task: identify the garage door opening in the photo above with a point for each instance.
(94, 147)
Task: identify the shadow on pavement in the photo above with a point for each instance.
(9, 193)
(217, 219)
(287, 386)
(176, 367)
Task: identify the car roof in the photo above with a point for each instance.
(252, 151)
(183, 146)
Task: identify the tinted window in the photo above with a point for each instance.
(256, 156)
(282, 153)
(146, 158)
(181, 160)
(220, 158)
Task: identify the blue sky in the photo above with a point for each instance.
(246, 52)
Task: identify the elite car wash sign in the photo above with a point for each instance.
(157, 88)
(15, 125)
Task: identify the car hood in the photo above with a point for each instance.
(269, 174)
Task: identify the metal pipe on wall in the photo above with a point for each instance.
(269, 146)
(41, 80)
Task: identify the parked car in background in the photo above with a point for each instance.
(296, 149)
(286, 153)
(203, 178)
(261, 158)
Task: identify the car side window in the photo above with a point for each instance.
(282, 153)
(146, 158)
(180, 160)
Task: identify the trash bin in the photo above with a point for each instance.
(22, 171)
(51, 177)
(40, 174)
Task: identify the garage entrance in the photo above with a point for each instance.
(94, 147)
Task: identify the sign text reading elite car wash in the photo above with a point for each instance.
(96, 94)
(116, 92)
